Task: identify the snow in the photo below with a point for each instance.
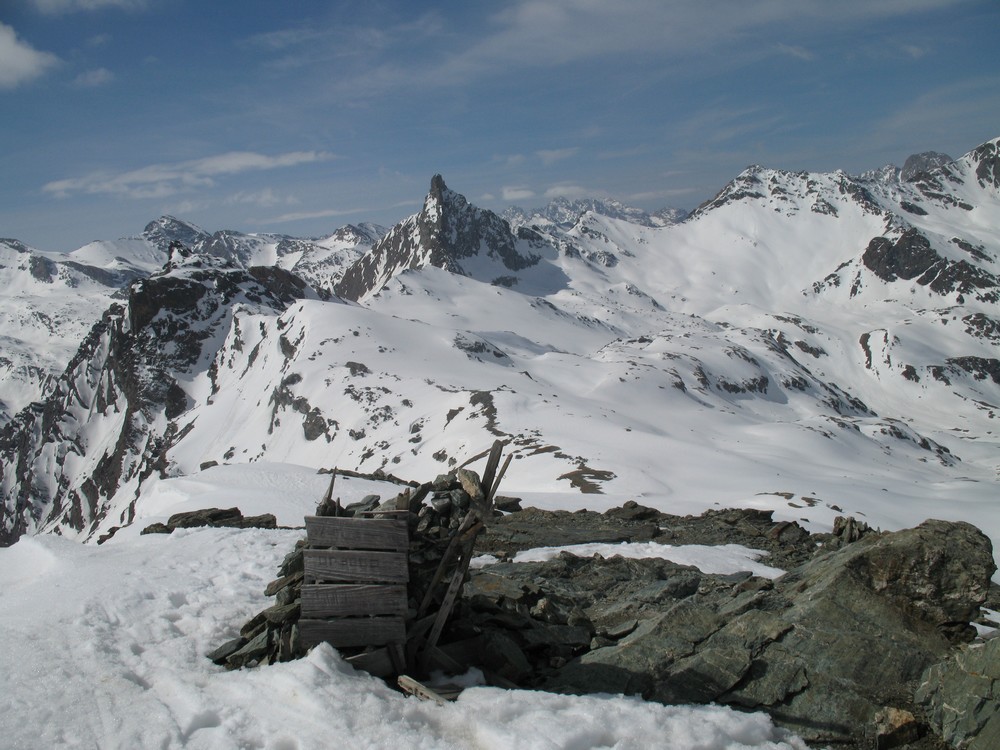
(718, 559)
(103, 646)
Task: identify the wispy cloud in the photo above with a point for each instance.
(958, 114)
(161, 180)
(58, 7)
(265, 198)
(92, 78)
(304, 215)
(547, 33)
(794, 51)
(516, 193)
(569, 191)
(551, 157)
(19, 61)
(913, 51)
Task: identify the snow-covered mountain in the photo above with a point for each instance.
(51, 300)
(818, 344)
(565, 213)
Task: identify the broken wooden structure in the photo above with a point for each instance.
(354, 592)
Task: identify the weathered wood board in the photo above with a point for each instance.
(357, 533)
(351, 600)
(353, 631)
(355, 566)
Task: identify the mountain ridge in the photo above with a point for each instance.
(793, 316)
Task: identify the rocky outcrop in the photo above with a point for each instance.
(447, 233)
(107, 422)
(915, 164)
(213, 517)
(961, 697)
(825, 649)
(911, 257)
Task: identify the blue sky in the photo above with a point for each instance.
(298, 117)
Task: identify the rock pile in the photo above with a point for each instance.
(436, 512)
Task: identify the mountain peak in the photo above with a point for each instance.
(925, 161)
(447, 233)
(437, 186)
(166, 229)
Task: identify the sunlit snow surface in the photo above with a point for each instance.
(720, 559)
(103, 646)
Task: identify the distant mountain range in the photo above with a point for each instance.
(821, 342)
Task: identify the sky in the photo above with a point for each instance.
(300, 117)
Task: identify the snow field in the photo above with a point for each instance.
(104, 647)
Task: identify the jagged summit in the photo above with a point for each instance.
(448, 233)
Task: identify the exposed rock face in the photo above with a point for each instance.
(912, 257)
(824, 649)
(961, 697)
(106, 424)
(922, 162)
(447, 233)
(987, 158)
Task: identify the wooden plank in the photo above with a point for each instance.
(349, 600)
(408, 685)
(354, 566)
(496, 484)
(492, 463)
(353, 631)
(457, 581)
(357, 533)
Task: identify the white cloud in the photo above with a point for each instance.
(302, 215)
(795, 51)
(913, 51)
(551, 157)
(568, 191)
(19, 61)
(516, 193)
(56, 7)
(487, 197)
(91, 78)
(160, 180)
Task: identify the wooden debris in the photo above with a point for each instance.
(440, 694)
